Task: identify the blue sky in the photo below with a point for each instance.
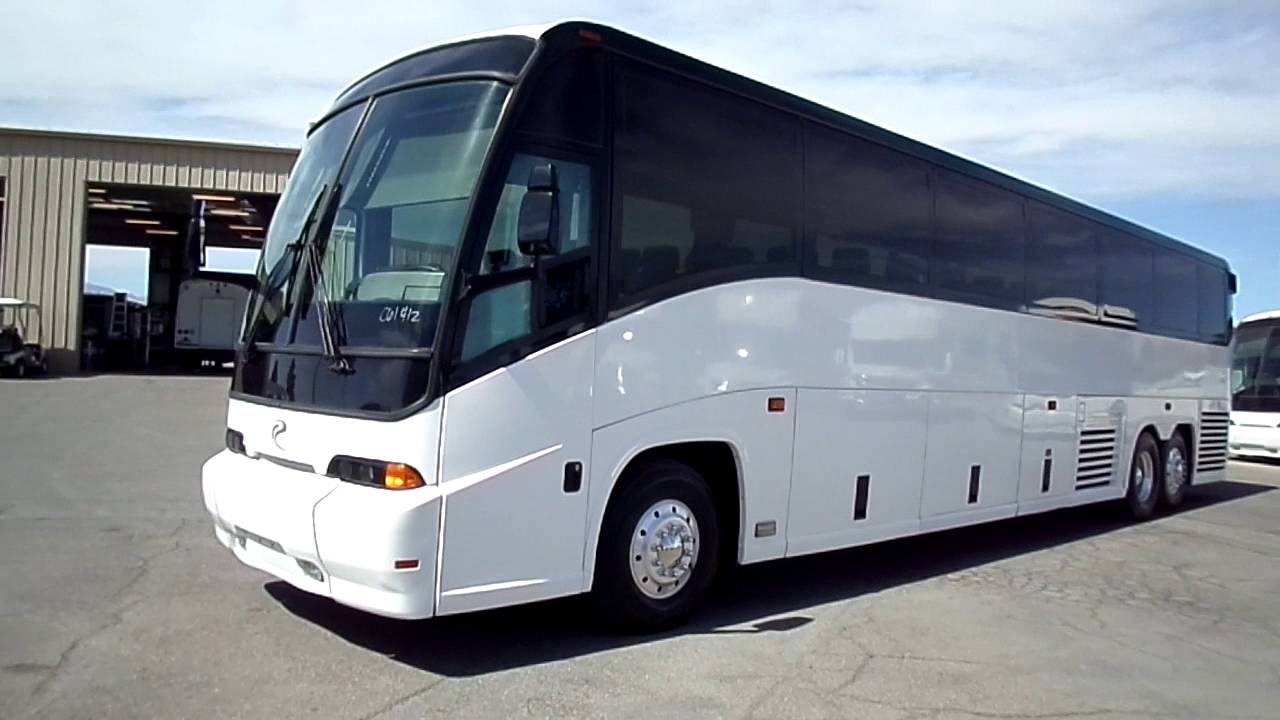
(1163, 112)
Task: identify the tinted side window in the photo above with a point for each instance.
(1062, 260)
(867, 213)
(980, 249)
(1126, 287)
(567, 101)
(704, 181)
(1176, 286)
(1215, 304)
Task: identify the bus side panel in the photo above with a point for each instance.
(1106, 438)
(1163, 415)
(761, 442)
(858, 469)
(972, 458)
(512, 526)
(1049, 452)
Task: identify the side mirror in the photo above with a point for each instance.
(1237, 380)
(539, 223)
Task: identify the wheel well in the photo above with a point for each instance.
(1188, 437)
(715, 461)
(1155, 436)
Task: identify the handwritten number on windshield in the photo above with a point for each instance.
(399, 313)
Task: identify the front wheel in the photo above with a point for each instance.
(1177, 472)
(1144, 478)
(658, 549)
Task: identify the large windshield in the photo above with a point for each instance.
(1255, 369)
(405, 189)
(316, 166)
(384, 189)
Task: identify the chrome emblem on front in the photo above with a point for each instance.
(276, 431)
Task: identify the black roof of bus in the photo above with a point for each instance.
(507, 57)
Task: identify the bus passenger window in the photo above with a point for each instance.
(867, 213)
(1062, 262)
(714, 186)
(1175, 296)
(1126, 282)
(980, 248)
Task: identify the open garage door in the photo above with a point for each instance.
(167, 275)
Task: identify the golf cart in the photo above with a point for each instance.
(18, 357)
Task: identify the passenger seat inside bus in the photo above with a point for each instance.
(851, 259)
(715, 254)
(651, 266)
(904, 269)
(779, 254)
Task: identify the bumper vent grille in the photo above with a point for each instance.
(1212, 451)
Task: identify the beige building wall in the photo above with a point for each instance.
(42, 256)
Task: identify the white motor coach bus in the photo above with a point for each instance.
(1255, 387)
(560, 310)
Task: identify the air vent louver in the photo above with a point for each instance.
(1212, 452)
(1095, 461)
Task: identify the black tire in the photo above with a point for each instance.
(1145, 478)
(615, 590)
(20, 368)
(1175, 471)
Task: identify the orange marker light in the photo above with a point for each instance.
(777, 404)
(401, 477)
(406, 565)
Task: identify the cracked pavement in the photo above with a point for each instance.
(116, 602)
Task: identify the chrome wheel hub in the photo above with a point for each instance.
(664, 549)
(1144, 476)
(1175, 471)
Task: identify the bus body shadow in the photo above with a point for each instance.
(768, 597)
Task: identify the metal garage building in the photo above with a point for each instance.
(45, 180)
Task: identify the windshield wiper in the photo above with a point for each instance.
(284, 269)
(329, 316)
(332, 328)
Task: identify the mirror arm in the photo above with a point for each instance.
(474, 283)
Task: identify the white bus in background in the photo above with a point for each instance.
(208, 320)
(1255, 387)
(673, 319)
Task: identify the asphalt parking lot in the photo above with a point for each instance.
(116, 602)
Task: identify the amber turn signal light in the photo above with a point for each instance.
(375, 473)
(401, 477)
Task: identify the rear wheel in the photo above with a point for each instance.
(1176, 471)
(1144, 478)
(658, 549)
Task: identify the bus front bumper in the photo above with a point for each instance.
(1254, 441)
(365, 547)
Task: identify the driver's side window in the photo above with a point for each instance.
(505, 312)
(501, 252)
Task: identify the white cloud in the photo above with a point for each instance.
(1102, 100)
